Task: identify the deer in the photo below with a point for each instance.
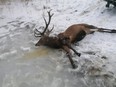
(64, 40)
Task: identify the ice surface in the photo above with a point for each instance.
(24, 65)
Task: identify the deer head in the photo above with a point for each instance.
(45, 34)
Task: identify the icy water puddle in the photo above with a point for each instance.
(36, 53)
(37, 68)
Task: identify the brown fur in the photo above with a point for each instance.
(73, 31)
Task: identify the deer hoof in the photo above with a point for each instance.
(79, 54)
(74, 66)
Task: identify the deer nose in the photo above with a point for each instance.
(36, 44)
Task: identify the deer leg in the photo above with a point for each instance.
(67, 50)
(68, 44)
(79, 54)
(107, 30)
(71, 61)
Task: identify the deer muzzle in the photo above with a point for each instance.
(37, 44)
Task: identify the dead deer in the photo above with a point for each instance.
(64, 40)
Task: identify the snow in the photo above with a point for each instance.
(24, 65)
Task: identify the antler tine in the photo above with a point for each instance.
(52, 28)
(47, 23)
(50, 16)
(37, 33)
(49, 31)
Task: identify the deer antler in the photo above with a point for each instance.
(38, 33)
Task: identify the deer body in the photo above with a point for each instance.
(72, 34)
(75, 33)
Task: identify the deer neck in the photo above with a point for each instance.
(53, 42)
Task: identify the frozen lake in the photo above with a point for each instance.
(24, 65)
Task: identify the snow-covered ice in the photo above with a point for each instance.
(24, 65)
